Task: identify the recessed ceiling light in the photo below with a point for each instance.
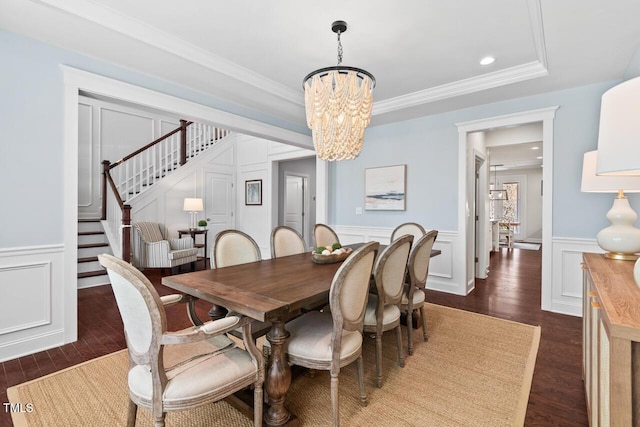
(487, 60)
(539, 157)
(535, 148)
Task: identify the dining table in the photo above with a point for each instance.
(272, 290)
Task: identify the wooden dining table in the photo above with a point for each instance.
(271, 290)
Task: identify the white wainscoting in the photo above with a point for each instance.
(32, 305)
(441, 267)
(566, 290)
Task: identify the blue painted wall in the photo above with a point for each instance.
(31, 126)
(429, 148)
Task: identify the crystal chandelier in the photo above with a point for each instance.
(338, 103)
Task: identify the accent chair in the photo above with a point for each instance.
(172, 371)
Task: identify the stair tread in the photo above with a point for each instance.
(88, 220)
(92, 245)
(92, 273)
(89, 233)
(88, 259)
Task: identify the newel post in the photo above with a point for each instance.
(126, 233)
(106, 164)
(183, 142)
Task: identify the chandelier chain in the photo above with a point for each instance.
(339, 49)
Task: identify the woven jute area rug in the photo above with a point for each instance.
(474, 370)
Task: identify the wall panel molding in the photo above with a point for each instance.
(32, 308)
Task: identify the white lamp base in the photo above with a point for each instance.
(621, 239)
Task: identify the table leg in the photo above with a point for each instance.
(278, 376)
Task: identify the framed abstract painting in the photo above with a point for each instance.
(385, 188)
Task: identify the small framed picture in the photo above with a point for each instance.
(253, 192)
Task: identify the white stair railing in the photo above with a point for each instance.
(137, 172)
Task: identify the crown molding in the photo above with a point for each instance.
(152, 36)
(498, 78)
(504, 77)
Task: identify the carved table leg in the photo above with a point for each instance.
(217, 312)
(278, 376)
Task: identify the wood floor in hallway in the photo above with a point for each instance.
(512, 292)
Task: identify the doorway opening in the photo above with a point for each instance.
(468, 144)
(296, 203)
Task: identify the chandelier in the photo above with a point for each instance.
(338, 103)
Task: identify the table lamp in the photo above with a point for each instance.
(193, 206)
(621, 239)
(619, 135)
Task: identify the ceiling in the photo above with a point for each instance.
(424, 53)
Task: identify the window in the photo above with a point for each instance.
(507, 210)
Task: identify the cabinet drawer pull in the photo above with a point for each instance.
(592, 294)
(595, 304)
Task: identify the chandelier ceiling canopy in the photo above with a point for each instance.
(338, 103)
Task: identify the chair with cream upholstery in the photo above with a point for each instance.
(233, 247)
(331, 340)
(286, 241)
(412, 228)
(383, 307)
(414, 295)
(324, 235)
(173, 371)
(152, 250)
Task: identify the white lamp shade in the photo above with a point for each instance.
(619, 135)
(193, 205)
(592, 183)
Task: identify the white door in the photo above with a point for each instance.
(218, 209)
(294, 204)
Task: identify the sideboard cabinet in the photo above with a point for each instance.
(611, 341)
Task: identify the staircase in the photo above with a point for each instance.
(135, 173)
(92, 241)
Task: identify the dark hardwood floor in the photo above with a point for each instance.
(511, 292)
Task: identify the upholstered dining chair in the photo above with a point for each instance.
(172, 371)
(234, 247)
(286, 241)
(333, 339)
(413, 297)
(412, 228)
(383, 307)
(152, 250)
(324, 235)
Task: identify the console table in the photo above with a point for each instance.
(611, 341)
(193, 232)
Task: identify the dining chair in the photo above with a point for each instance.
(331, 340)
(413, 297)
(172, 371)
(412, 228)
(383, 307)
(234, 247)
(324, 235)
(286, 241)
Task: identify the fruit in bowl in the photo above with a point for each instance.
(330, 254)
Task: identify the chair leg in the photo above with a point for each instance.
(400, 349)
(257, 405)
(335, 409)
(379, 360)
(410, 331)
(363, 391)
(131, 414)
(424, 323)
(159, 421)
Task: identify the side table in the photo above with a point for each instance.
(193, 232)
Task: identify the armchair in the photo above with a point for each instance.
(172, 371)
(152, 250)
